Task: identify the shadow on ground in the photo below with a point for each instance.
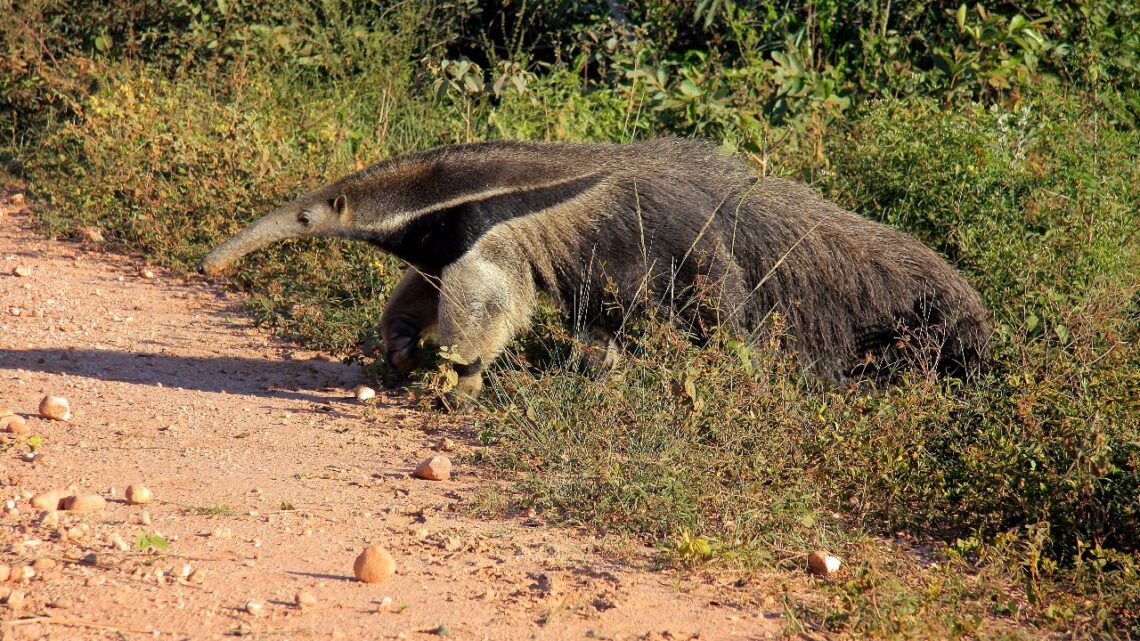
(221, 374)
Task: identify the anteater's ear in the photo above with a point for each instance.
(340, 204)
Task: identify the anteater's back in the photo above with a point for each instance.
(857, 296)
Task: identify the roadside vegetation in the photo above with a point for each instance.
(1002, 134)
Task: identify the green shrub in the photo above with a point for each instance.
(1036, 463)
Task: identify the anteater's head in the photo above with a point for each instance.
(324, 212)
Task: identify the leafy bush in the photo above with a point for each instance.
(1038, 458)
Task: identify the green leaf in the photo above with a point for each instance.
(1062, 332)
(1031, 324)
(961, 17)
(151, 542)
(451, 353)
(690, 88)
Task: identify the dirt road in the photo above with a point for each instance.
(269, 479)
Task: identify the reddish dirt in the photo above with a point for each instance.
(173, 387)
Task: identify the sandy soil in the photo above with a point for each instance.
(171, 386)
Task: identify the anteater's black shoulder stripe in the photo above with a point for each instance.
(438, 238)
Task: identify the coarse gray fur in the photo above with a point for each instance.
(604, 228)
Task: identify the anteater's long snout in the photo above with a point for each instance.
(218, 259)
(277, 226)
(206, 269)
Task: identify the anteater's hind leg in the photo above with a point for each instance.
(488, 297)
(411, 312)
(600, 350)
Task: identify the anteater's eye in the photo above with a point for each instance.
(304, 218)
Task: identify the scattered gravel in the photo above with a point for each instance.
(56, 408)
(83, 503)
(139, 494)
(374, 565)
(435, 468)
(822, 563)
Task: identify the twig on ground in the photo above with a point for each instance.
(79, 623)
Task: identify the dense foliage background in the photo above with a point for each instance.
(1003, 134)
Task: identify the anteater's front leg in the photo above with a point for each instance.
(411, 312)
(486, 300)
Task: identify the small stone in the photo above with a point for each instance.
(22, 271)
(120, 544)
(17, 199)
(446, 444)
(364, 393)
(16, 599)
(144, 517)
(197, 576)
(15, 311)
(374, 565)
(139, 494)
(305, 599)
(14, 424)
(5, 573)
(43, 564)
(385, 604)
(146, 273)
(254, 607)
(83, 503)
(48, 518)
(822, 563)
(25, 573)
(5, 411)
(50, 500)
(91, 235)
(436, 468)
(55, 407)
